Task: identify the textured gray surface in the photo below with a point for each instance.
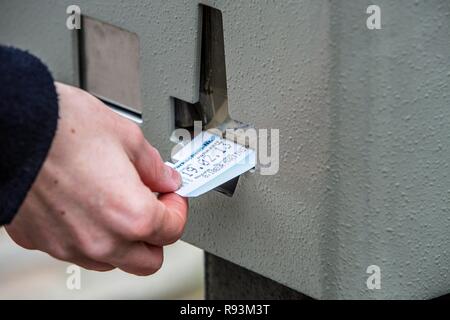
(363, 118)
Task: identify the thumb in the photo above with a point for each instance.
(153, 172)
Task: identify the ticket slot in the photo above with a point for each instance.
(212, 107)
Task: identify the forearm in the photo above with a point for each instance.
(28, 121)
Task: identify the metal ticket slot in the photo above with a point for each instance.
(212, 107)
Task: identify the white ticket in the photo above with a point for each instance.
(209, 161)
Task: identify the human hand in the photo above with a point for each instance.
(93, 202)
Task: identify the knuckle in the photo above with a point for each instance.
(155, 153)
(133, 137)
(61, 253)
(140, 228)
(135, 134)
(143, 223)
(98, 250)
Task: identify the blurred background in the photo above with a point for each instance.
(28, 274)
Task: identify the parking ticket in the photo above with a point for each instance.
(209, 161)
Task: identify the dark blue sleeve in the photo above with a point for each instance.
(28, 120)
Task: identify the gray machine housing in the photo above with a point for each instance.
(364, 130)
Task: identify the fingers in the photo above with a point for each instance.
(157, 221)
(92, 265)
(153, 172)
(140, 259)
(137, 258)
(174, 217)
(114, 219)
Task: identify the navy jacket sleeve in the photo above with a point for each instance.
(28, 120)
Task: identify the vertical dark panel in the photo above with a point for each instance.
(226, 280)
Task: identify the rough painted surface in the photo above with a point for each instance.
(364, 122)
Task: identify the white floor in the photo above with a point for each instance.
(34, 275)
